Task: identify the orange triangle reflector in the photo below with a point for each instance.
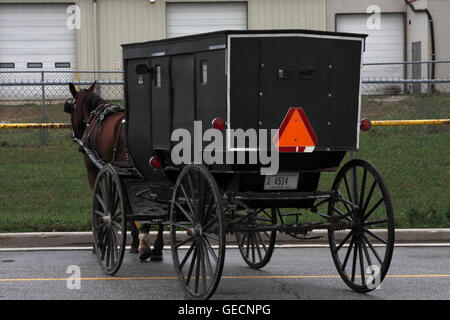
(295, 133)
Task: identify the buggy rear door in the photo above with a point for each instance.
(321, 76)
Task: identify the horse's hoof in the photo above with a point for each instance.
(157, 256)
(93, 250)
(134, 250)
(145, 254)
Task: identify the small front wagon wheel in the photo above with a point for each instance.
(362, 253)
(197, 232)
(257, 247)
(109, 220)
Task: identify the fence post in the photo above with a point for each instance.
(429, 91)
(44, 111)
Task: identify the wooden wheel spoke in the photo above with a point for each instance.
(191, 266)
(355, 255)
(211, 236)
(366, 252)
(257, 247)
(361, 263)
(203, 266)
(191, 187)
(344, 241)
(208, 209)
(188, 201)
(373, 209)
(99, 213)
(184, 241)
(117, 225)
(349, 250)
(210, 223)
(182, 226)
(355, 185)
(210, 249)
(375, 236)
(363, 186)
(197, 269)
(248, 246)
(263, 244)
(105, 194)
(343, 215)
(208, 260)
(371, 223)
(186, 257)
(375, 253)
(349, 193)
(369, 196)
(102, 204)
(184, 212)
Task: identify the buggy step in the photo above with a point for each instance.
(281, 195)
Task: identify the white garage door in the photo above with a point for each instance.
(34, 37)
(192, 18)
(386, 44)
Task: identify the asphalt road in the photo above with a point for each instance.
(293, 273)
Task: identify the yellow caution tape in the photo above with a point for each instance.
(382, 123)
(34, 125)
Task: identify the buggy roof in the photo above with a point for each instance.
(225, 33)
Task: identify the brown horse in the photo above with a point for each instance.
(108, 142)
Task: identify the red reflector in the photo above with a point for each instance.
(155, 162)
(366, 125)
(218, 124)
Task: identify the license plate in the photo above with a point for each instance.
(282, 181)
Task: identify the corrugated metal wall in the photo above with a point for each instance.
(126, 21)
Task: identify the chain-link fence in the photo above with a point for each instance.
(414, 77)
(46, 86)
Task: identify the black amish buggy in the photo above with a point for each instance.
(297, 81)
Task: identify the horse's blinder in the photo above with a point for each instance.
(69, 105)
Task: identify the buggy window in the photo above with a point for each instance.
(204, 72)
(158, 76)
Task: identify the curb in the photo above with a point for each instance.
(84, 239)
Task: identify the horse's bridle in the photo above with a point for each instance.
(71, 106)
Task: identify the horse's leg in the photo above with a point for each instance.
(92, 171)
(145, 251)
(135, 236)
(157, 254)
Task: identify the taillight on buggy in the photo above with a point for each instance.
(218, 124)
(366, 125)
(155, 162)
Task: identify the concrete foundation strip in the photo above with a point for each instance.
(84, 239)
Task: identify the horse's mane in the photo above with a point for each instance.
(92, 100)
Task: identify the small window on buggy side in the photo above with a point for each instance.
(204, 72)
(158, 76)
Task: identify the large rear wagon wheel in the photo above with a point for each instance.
(198, 248)
(257, 247)
(109, 220)
(362, 254)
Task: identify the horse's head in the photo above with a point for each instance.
(84, 101)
